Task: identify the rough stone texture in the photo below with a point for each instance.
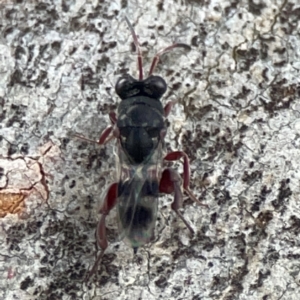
(237, 117)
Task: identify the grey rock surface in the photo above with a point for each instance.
(237, 117)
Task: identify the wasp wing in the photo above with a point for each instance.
(138, 190)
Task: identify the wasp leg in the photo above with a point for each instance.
(108, 204)
(168, 108)
(113, 117)
(104, 135)
(171, 182)
(105, 138)
(177, 155)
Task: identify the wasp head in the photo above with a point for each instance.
(153, 87)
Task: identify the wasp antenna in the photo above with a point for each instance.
(136, 43)
(161, 52)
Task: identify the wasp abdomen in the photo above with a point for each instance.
(137, 209)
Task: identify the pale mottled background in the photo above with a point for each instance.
(237, 118)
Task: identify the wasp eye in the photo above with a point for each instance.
(156, 86)
(123, 85)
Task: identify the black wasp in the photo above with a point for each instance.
(139, 129)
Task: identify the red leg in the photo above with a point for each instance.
(171, 182)
(108, 204)
(168, 107)
(105, 136)
(177, 155)
(113, 117)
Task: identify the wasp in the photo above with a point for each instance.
(139, 128)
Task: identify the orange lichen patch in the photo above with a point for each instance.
(23, 183)
(11, 203)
